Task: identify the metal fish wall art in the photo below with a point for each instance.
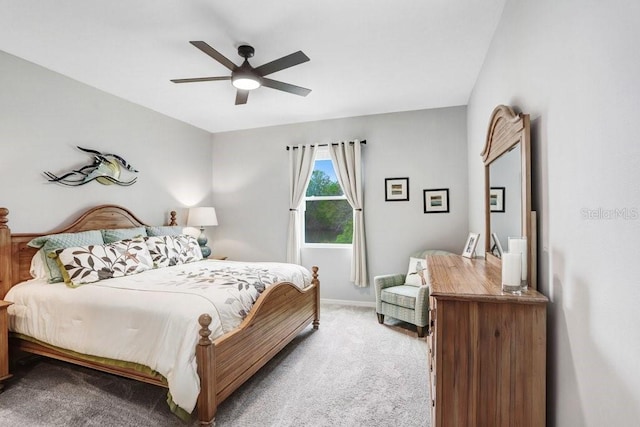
(105, 169)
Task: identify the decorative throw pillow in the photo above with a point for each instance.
(53, 242)
(417, 274)
(38, 267)
(116, 234)
(173, 250)
(87, 264)
(188, 248)
(163, 251)
(164, 230)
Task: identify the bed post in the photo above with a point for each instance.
(316, 282)
(5, 253)
(172, 220)
(206, 371)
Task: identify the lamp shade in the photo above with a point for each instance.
(202, 217)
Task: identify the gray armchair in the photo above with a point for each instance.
(406, 296)
(402, 301)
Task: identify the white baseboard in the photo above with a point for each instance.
(345, 302)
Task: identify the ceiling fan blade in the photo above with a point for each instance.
(201, 79)
(275, 84)
(241, 96)
(282, 63)
(214, 54)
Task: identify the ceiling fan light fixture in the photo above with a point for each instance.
(245, 77)
(246, 82)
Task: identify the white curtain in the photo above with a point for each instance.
(347, 161)
(301, 162)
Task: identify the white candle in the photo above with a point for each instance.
(519, 245)
(511, 266)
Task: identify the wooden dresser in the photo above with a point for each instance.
(4, 344)
(487, 349)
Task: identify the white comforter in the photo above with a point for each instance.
(149, 318)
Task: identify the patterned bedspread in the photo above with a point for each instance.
(231, 287)
(148, 318)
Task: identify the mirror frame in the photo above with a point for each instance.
(506, 130)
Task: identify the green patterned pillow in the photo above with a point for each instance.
(53, 242)
(87, 264)
(116, 234)
(164, 230)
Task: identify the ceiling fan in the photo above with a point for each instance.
(245, 77)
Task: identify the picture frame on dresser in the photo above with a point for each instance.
(470, 245)
(496, 246)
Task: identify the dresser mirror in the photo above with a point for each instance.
(507, 160)
(505, 198)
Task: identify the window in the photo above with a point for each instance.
(328, 216)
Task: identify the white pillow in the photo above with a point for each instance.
(38, 269)
(417, 274)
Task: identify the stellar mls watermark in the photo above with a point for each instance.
(611, 214)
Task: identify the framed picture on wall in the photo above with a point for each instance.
(436, 201)
(470, 245)
(496, 199)
(396, 189)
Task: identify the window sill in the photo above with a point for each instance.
(326, 246)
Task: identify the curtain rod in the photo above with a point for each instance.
(364, 141)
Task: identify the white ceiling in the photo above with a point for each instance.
(367, 57)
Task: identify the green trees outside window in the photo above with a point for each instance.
(328, 215)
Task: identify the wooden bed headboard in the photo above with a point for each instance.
(15, 255)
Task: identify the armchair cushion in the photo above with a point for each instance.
(403, 296)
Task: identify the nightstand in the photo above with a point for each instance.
(4, 343)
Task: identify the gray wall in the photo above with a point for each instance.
(250, 186)
(44, 116)
(574, 67)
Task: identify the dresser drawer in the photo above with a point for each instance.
(431, 340)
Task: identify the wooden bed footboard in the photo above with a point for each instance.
(281, 313)
(224, 364)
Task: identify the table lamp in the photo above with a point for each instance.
(202, 217)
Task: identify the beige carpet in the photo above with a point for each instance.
(350, 372)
